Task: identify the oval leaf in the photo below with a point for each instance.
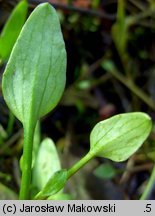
(54, 185)
(105, 171)
(118, 137)
(12, 29)
(35, 75)
(46, 163)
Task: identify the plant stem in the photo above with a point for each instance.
(134, 19)
(130, 85)
(149, 186)
(26, 163)
(79, 164)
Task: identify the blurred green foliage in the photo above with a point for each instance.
(12, 29)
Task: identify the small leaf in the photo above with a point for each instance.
(3, 134)
(120, 29)
(54, 185)
(105, 171)
(12, 29)
(46, 163)
(34, 78)
(118, 137)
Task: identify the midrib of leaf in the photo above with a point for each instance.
(112, 129)
(23, 76)
(29, 127)
(34, 82)
(95, 145)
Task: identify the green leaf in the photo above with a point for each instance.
(34, 78)
(3, 134)
(54, 185)
(118, 137)
(120, 29)
(105, 171)
(46, 163)
(12, 29)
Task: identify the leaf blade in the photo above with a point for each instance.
(33, 81)
(46, 164)
(120, 136)
(54, 185)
